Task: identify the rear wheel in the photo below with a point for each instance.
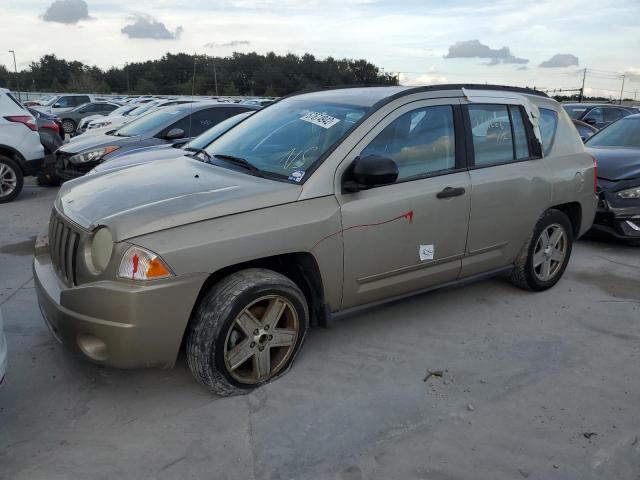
(11, 179)
(246, 331)
(69, 126)
(546, 254)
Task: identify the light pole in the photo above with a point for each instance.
(15, 69)
(622, 90)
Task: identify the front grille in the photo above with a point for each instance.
(63, 246)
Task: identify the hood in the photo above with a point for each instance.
(84, 143)
(139, 156)
(617, 163)
(139, 200)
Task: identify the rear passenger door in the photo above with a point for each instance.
(509, 184)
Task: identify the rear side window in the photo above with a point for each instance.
(613, 114)
(491, 132)
(519, 133)
(547, 123)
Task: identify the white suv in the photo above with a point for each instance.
(21, 152)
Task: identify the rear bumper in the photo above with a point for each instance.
(119, 324)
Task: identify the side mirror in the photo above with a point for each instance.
(590, 121)
(57, 105)
(174, 134)
(371, 171)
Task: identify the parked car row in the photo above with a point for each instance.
(591, 117)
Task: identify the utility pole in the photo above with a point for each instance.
(215, 78)
(126, 71)
(622, 89)
(584, 76)
(15, 69)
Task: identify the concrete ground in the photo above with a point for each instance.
(538, 386)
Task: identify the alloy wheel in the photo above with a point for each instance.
(8, 180)
(550, 252)
(68, 127)
(261, 339)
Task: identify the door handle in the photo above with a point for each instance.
(451, 192)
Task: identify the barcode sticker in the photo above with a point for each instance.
(321, 119)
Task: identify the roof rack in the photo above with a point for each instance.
(476, 86)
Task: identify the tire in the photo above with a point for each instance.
(11, 179)
(69, 126)
(220, 326)
(531, 275)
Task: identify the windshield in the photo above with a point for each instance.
(287, 138)
(142, 108)
(121, 111)
(624, 133)
(205, 138)
(574, 111)
(151, 122)
(50, 102)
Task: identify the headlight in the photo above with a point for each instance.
(98, 125)
(101, 249)
(92, 155)
(141, 264)
(631, 193)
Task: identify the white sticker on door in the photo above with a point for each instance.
(426, 252)
(321, 119)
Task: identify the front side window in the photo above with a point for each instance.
(595, 115)
(420, 142)
(65, 102)
(286, 139)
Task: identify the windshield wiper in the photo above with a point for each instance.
(240, 162)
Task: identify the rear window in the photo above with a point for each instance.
(548, 124)
(10, 95)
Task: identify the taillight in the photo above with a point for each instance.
(595, 174)
(53, 126)
(26, 120)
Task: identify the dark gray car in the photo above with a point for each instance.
(71, 119)
(166, 126)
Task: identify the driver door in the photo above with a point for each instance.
(412, 234)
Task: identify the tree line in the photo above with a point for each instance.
(174, 74)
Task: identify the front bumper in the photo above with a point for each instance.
(116, 323)
(623, 224)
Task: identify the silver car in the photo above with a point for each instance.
(321, 203)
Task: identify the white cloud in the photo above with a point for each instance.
(422, 79)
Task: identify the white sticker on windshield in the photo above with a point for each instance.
(321, 119)
(426, 252)
(297, 175)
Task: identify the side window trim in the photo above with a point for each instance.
(534, 153)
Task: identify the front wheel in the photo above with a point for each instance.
(246, 331)
(546, 254)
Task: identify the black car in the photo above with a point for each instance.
(164, 126)
(51, 137)
(597, 114)
(617, 151)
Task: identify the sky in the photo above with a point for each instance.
(542, 43)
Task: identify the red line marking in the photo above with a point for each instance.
(408, 216)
